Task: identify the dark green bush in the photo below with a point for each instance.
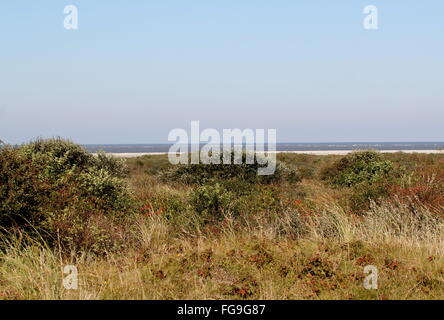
(45, 183)
(203, 173)
(260, 198)
(114, 166)
(57, 157)
(358, 167)
(362, 195)
(367, 175)
(234, 197)
(22, 188)
(213, 201)
(229, 188)
(101, 184)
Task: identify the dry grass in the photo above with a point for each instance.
(253, 263)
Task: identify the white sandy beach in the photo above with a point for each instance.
(318, 153)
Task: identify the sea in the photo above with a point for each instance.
(324, 146)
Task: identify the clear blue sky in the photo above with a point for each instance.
(137, 69)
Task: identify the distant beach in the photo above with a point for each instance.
(317, 152)
(137, 150)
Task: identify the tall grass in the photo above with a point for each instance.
(263, 259)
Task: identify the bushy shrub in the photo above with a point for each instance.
(364, 193)
(56, 157)
(203, 173)
(367, 175)
(22, 189)
(261, 198)
(114, 166)
(59, 157)
(110, 191)
(41, 182)
(358, 167)
(213, 201)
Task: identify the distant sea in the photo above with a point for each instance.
(325, 146)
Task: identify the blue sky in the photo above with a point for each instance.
(137, 69)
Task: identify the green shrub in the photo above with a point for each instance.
(45, 183)
(261, 198)
(22, 189)
(364, 193)
(110, 191)
(358, 167)
(203, 173)
(115, 166)
(213, 201)
(367, 175)
(57, 157)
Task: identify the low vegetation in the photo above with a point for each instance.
(145, 229)
(58, 191)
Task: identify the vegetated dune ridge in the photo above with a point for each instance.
(142, 228)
